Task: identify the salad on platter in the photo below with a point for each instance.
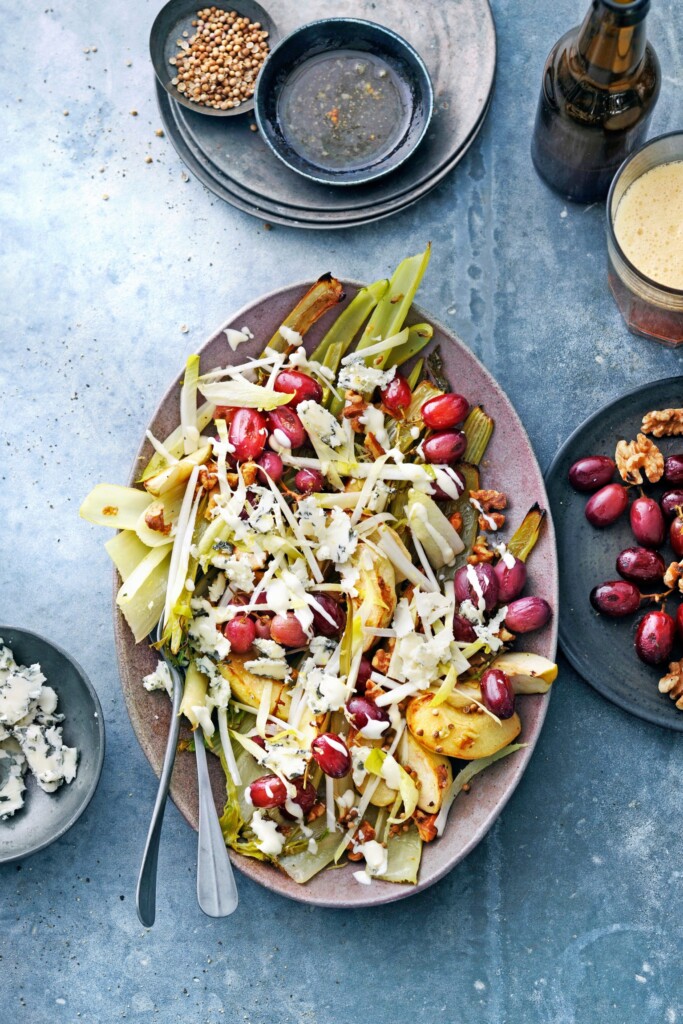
(328, 563)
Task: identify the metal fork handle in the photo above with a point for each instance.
(216, 887)
(146, 893)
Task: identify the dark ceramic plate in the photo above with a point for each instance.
(601, 649)
(511, 466)
(47, 816)
(457, 41)
(330, 36)
(176, 17)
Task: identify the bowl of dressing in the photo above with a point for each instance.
(645, 240)
(343, 101)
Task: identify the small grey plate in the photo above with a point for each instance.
(176, 17)
(599, 648)
(47, 816)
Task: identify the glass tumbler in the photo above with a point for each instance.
(649, 309)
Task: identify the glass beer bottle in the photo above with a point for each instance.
(600, 85)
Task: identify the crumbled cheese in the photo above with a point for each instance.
(338, 539)
(271, 668)
(286, 756)
(30, 734)
(349, 576)
(431, 606)
(320, 424)
(269, 648)
(325, 691)
(356, 376)
(205, 636)
(160, 679)
(203, 716)
(403, 620)
(237, 570)
(217, 588)
(269, 840)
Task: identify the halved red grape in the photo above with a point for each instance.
(606, 505)
(591, 472)
(647, 522)
(640, 565)
(655, 637)
(616, 598)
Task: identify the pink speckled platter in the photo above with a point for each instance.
(510, 466)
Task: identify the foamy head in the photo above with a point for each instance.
(649, 224)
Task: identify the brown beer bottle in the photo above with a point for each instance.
(600, 85)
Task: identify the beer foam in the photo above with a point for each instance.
(649, 224)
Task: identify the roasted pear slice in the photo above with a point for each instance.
(248, 688)
(432, 772)
(376, 586)
(458, 732)
(528, 672)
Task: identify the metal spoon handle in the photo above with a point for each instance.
(216, 887)
(146, 893)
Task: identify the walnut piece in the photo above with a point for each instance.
(632, 456)
(365, 834)
(354, 407)
(425, 825)
(489, 499)
(672, 683)
(674, 575)
(663, 422)
(481, 552)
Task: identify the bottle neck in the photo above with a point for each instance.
(611, 41)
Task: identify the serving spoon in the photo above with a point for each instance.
(216, 888)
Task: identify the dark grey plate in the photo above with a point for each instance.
(47, 816)
(176, 17)
(327, 37)
(456, 39)
(601, 649)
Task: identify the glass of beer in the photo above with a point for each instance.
(645, 239)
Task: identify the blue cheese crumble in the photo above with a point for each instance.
(30, 734)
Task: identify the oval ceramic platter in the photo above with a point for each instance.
(599, 648)
(511, 466)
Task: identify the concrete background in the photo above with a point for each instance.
(571, 909)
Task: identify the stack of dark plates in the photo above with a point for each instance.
(455, 38)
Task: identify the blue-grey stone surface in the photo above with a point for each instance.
(571, 911)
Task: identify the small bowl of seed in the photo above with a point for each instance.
(208, 58)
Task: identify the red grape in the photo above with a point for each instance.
(241, 632)
(511, 579)
(655, 637)
(671, 502)
(322, 625)
(364, 672)
(444, 411)
(397, 394)
(463, 630)
(268, 791)
(308, 480)
(361, 710)
(287, 423)
(647, 522)
(445, 446)
(497, 693)
(606, 505)
(286, 629)
(676, 536)
(271, 464)
(673, 470)
(591, 472)
(465, 590)
(247, 433)
(641, 565)
(616, 598)
(332, 755)
(527, 614)
(303, 387)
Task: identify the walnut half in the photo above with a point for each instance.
(632, 456)
(663, 422)
(674, 575)
(672, 683)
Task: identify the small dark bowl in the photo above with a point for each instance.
(334, 34)
(47, 816)
(175, 18)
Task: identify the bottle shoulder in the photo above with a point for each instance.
(567, 84)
